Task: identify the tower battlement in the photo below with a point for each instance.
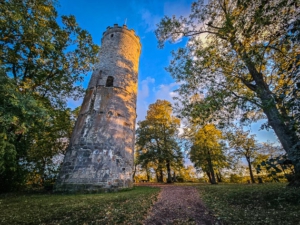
(124, 29)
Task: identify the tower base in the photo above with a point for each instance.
(91, 188)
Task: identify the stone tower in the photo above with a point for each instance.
(101, 150)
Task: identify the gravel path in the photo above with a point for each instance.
(178, 205)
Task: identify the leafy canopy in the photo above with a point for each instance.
(157, 137)
(43, 58)
(207, 151)
(241, 57)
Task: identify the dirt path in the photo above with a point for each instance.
(178, 205)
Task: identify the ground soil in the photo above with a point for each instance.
(178, 205)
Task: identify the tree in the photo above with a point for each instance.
(19, 113)
(43, 57)
(244, 146)
(248, 60)
(188, 173)
(51, 138)
(143, 162)
(273, 163)
(207, 150)
(157, 139)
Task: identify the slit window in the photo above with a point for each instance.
(99, 78)
(109, 81)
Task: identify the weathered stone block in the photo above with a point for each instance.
(100, 155)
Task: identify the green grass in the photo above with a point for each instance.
(269, 203)
(124, 207)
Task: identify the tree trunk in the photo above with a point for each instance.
(280, 125)
(134, 171)
(209, 177)
(211, 169)
(42, 173)
(220, 174)
(212, 173)
(148, 173)
(157, 176)
(169, 179)
(250, 170)
(287, 138)
(219, 177)
(161, 176)
(174, 177)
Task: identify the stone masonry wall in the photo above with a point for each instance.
(101, 150)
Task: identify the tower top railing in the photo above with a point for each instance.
(124, 29)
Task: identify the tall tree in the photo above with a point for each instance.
(42, 59)
(157, 138)
(241, 54)
(207, 150)
(244, 146)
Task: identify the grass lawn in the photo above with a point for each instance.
(269, 203)
(124, 207)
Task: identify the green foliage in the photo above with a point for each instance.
(8, 164)
(244, 145)
(43, 57)
(187, 174)
(7, 155)
(235, 178)
(207, 151)
(242, 58)
(157, 139)
(124, 207)
(270, 203)
(19, 113)
(277, 167)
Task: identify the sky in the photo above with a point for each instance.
(154, 81)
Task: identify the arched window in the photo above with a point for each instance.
(109, 81)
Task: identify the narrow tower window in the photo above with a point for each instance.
(111, 35)
(109, 81)
(99, 78)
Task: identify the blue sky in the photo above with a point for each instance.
(142, 16)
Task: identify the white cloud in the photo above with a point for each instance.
(166, 92)
(144, 91)
(150, 20)
(143, 94)
(148, 96)
(141, 111)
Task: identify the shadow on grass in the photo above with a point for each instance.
(269, 203)
(126, 206)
